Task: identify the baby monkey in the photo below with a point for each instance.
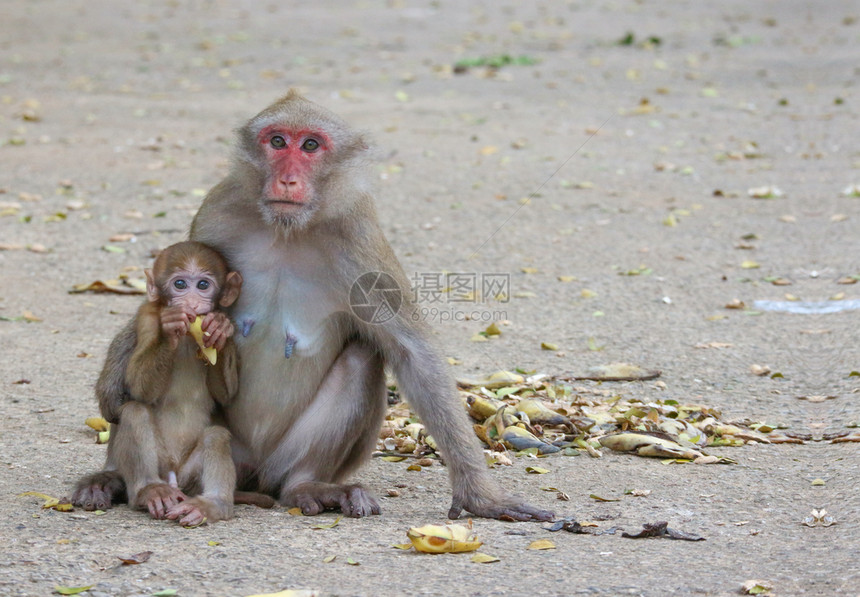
(165, 446)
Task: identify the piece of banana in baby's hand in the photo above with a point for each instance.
(196, 330)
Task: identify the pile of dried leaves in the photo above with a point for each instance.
(540, 415)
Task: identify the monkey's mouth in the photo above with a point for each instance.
(285, 206)
(284, 202)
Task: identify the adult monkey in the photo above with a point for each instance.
(295, 217)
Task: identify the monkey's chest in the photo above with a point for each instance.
(286, 307)
(187, 406)
(288, 338)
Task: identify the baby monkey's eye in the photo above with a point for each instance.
(203, 284)
(180, 284)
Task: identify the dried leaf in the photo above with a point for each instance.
(138, 558)
(617, 372)
(51, 503)
(352, 562)
(330, 559)
(289, 593)
(755, 587)
(541, 544)
(661, 529)
(327, 526)
(597, 498)
(114, 286)
(483, 558)
(536, 470)
(71, 590)
(765, 192)
(402, 546)
(493, 330)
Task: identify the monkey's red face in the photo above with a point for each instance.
(293, 157)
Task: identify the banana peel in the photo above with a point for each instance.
(520, 439)
(481, 408)
(658, 445)
(497, 380)
(451, 538)
(539, 414)
(617, 372)
(196, 331)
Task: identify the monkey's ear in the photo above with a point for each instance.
(152, 292)
(232, 285)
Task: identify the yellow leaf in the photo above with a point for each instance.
(327, 526)
(529, 270)
(330, 559)
(295, 512)
(750, 264)
(493, 330)
(483, 558)
(403, 546)
(71, 590)
(536, 470)
(489, 150)
(548, 346)
(566, 278)
(542, 544)
(393, 458)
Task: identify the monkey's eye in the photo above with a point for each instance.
(278, 142)
(203, 284)
(180, 284)
(310, 145)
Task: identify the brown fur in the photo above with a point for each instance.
(162, 429)
(302, 424)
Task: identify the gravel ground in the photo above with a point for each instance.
(116, 118)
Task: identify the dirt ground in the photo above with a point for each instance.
(115, 118)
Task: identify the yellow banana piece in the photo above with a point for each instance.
(451, 538)
(197, 332)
